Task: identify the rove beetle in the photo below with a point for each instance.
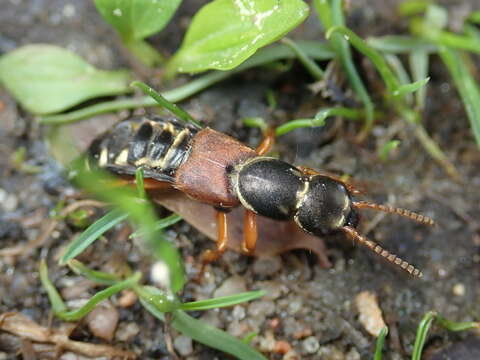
(218, 170)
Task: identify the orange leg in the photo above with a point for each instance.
(250, 234)
(267, 142)
(222, 239)
(310, 171)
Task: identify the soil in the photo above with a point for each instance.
(308, 309)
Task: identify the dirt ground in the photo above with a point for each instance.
(308, 309)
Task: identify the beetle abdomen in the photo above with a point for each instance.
(157, 145)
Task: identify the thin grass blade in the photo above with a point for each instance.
(92, 233)
(422, 331)
(173, 108)
(380, 342)
(223, 301)
(98, 277)
(466, 85)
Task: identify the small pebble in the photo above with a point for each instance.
(261, 308)
(127, 331)
(266, 343)
(232, 285)
(8, 202)
(330, 352)
(310, 345)
(183, 344)
(127, 298)
(352, 355)
(458, 289)
(291, 355)
(282, 347)
(370, 313)
(267, 266)
(238, 312)
(102, 321)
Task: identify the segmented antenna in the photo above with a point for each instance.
(422, 219)
(394, 259)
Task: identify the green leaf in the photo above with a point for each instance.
(401, 44)
(380, 342)
(224, 33)
(55, 299)
(99, 277)
(222, 301)
(330, 14)
(466, 85)
(421, 336)
(375, 57)
(47, 79)
(315, 49)
(419, 63)
(387, 148)
(92, 233)
(318, 120)
(139, 18)
(198, 330)
(311, 66)
(410, 88)
(142, 214)
(173, 108)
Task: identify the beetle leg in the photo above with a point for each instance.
(222, 239)
(309, 171)
(249, 232)
(267, 142)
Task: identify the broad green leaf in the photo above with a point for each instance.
(46, 79)
(314, 49)
(139, 18)
(224, 33)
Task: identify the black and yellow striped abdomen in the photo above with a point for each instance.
(157, 145)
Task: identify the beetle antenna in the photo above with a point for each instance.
(422, 219)
(351, 232)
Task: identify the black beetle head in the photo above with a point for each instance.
(325, 206)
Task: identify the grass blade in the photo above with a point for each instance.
(98, 277)
(56, 300)
(457, 326)
(378, 61)
(174, 109)
(213, 337)
(223, 301)
(331, 16)
(100, 296)
(380, 342)
(314, 70)
(409, 88)
(92, 233)
(400, 44)
(198, 330)
(318, 120)
(160, 224)
(422, 334)
(466, 85)
(419, 63)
